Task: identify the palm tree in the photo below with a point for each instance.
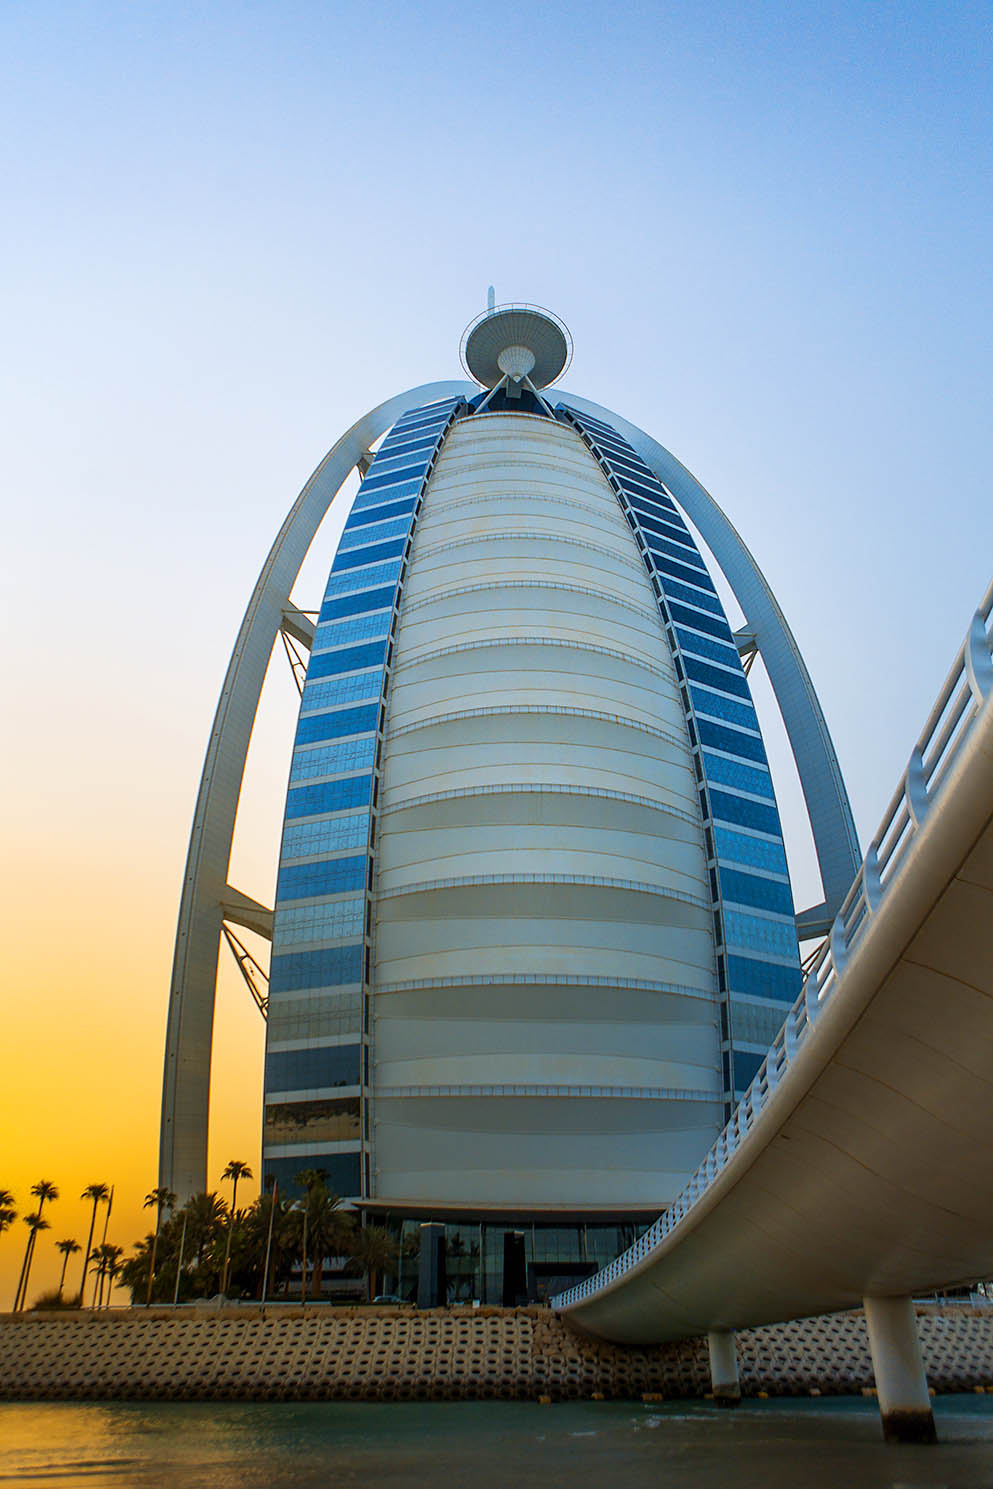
(308, 1179)
(34, 1223)
(68, 1248)
(235, 1170)
(96, 1193)
(43, 1190)
(7, 1212)
(374, 1250)
(162, 1199)
(108, 1266)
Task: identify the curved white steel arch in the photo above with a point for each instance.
(831, 821)
(206, 898)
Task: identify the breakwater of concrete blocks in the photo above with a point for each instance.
(399, 1354)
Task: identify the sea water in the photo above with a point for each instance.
(831, 1443)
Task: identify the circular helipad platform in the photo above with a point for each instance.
(516, 341)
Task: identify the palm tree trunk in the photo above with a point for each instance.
(86, 1256)
(151, 1265)
(62, 1279)
(22, 1281)
(227, 1249)
(303, 1275)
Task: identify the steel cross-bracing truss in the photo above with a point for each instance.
(208, 900)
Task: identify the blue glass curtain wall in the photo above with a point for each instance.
(326, 860)
(757, 951)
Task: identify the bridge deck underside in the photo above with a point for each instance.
(879, 1180)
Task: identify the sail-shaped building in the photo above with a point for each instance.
(534, 928)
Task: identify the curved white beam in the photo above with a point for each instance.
(831, 820)
(186, 1082)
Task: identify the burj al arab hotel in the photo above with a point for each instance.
(533, 928)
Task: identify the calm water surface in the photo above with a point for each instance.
(764, 1445)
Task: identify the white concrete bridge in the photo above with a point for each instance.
(859, 1165)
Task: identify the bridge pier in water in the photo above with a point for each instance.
(724, 1367)
(901, 1384)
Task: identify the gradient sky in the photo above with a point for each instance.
(228, 230)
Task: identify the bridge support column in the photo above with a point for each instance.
(724, 1367)
(904, 1403)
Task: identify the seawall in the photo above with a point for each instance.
(376, 1354)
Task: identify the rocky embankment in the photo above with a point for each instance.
(400, 1354)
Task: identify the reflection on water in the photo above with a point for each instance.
(489, 1445)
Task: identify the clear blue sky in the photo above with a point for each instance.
(230, 229)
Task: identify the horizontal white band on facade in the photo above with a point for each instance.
(599, 881)
(319, 1041)
(498, 496)
(310, 1093)
(549, 979)
(620, 1093)
(493, 642)
(513, 710)
(741, 907)
(490, 585)
(328, 989)
(517, 788)
(750, 954)
(305, 1150)
(561, 540)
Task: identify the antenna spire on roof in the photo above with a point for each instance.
(490, 298)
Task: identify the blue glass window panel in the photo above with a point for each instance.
(626, 462)
(308, 838)
(703, 646)
(311, 1069)
(380, 512)
(357, 537)
(352, 628)
(347, 659)
(733, 773)
(670, 532)
(774, 937)
(324, 966)
(735, 847)
(713, 677)
(657, 505)
(356, 579)
(303, 881)
(373, 482)
(764, 979)
(407, 443)
(375, 599)
(343, 1172)
(686, 557)
(711, 626)
(727, 808)
(369, 553)
(351, 754)
(333, 796)
(691, 596)
(682, 572)
(722, 707)
(746, 1067)
(422, 420)
(761, 894)
(404, 459)
(731, 741)
(642, 488)
(393, 493)
(318, 727)
(348, 689)
(340, 920)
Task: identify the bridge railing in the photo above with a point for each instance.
(967, 686)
